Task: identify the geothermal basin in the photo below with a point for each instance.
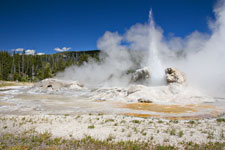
(136, 100)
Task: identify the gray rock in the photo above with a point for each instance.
(143, 100)
(141, 75)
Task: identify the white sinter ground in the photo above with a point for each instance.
(116, 128)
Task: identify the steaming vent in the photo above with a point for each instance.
(171, 75)
(199, 56)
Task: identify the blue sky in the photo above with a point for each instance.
(46, 24)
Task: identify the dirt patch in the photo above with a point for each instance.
(11, 83)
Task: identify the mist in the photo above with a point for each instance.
(204, 56)
(199, 55)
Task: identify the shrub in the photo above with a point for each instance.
(136, 121)
(220, 120)
(91, 127)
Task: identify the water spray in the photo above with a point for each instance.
(154, 62)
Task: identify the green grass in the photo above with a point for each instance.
(191, 122)
(173, 132)
(220, 120)
(46, 141)
(109, 120)
(122, 121)
(208, 146)
(100, 114)
(3, 84)
(136, 121)
(91, 127)
(181, 133)
(160, 121)
(174, 121)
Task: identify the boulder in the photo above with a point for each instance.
(141, 75)
(173, 75)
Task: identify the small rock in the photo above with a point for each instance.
(143, 100)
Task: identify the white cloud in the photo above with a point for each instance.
(19, 49)
(29, 52)
(62, 49)
(40, 53)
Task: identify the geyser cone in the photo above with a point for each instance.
(158, 75)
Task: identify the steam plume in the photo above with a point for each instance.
(199, 55)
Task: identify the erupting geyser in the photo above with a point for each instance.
(158, 74)
(150, 67)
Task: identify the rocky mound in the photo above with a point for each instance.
(141, 75)
(56, 85)
(110, 93)
(176, 91)
(171, 93)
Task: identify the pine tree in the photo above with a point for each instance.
(24, 67)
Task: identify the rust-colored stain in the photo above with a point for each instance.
(163, 117)
(202, 106)
(6, 104)
(140, 115)
(161, 108)
(171, 110)
(183, 117)
(197, 117)
(99, 100)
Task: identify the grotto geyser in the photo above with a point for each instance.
(152, 68)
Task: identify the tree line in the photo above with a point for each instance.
(21, 67)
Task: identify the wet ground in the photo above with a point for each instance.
(17, 100)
